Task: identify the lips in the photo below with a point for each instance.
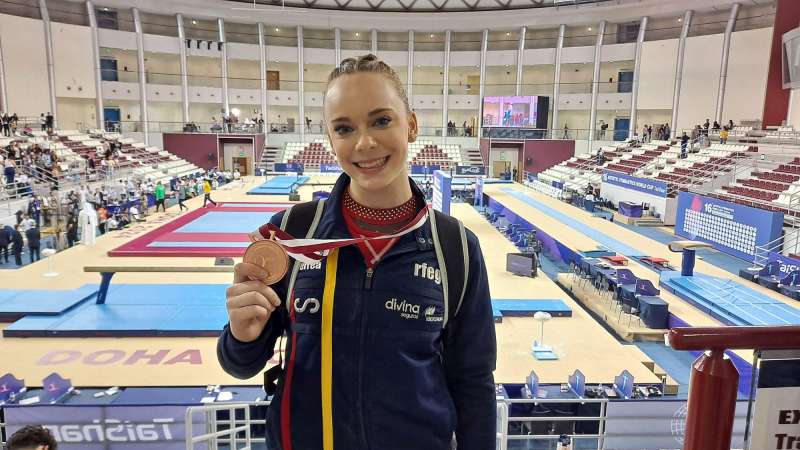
(372, 163)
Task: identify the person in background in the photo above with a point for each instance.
(160, 194)
(34, 237)
(32, 437)
(730, 125)
(72, 231)
(43, 122)
(684, 144)
(183, 191)
(50, 120)
(10, 169)
(723, 135)
(5, 235)
(26, 223)
(207, 193)
(16, 239)
(35, 210)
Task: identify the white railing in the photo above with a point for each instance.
(226, 432)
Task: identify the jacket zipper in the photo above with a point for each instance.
(359, 376)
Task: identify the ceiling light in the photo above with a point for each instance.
(680, 19)
(356, 33)
(431, 36)
(194, 22)
(508, 34)
(277, 29)
(105, 9)
(590, 28)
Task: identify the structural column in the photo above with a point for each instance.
(262, 57)
(446, 83)
(137, 22)
(3, 87)
(554, 125)
(224, 60)
(410, 74)
(337, 46)
(301, 92)
(520, 59)
(374, 39)
(723, 70)
(676, 91)
(482, 84)
(184, 69)
(98, 79)
(48, 45)
(635, 85)
(598, 47)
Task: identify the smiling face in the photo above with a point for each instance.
(369, 128)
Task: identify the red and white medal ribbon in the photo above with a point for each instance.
(310, 251)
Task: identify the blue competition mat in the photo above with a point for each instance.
(17, 302)
(527, 308)
(136, 310)
(730, 301)
(280, 185)
(226, 222)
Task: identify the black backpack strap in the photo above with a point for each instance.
(300, 220)
(450, 243)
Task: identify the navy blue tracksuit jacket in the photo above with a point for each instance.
(399, 380)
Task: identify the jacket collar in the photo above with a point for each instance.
(333, 226)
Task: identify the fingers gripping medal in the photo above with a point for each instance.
(270, 256)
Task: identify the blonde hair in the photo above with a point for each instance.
(369, 63)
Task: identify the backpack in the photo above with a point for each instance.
(450, 245)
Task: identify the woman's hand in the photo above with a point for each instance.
(250, 302)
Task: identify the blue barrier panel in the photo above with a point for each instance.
(787, 264)
(479, 192)
(423, 170)
(731, 228)
(442, 184)
(288, 167)
(646, 185)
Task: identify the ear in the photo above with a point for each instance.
(413, 127)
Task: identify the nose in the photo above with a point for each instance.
(365, 142)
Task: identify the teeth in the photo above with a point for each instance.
(371, 164)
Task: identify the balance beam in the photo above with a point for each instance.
(107, 272)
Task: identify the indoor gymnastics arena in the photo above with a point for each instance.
(400, 225)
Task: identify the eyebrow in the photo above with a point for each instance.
(371, 113)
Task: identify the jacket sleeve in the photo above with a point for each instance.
(470, 354)
(246, 359)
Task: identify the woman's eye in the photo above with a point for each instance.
(342, 129)
(383, 121)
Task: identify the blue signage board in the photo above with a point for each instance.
(470, 170)
(441, 191)
(423, 170)
(730, 227)
(646, 185)
(288, 167)
(479, 192)
(330, 168)
(787, 264)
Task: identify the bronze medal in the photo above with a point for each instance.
(269, 256)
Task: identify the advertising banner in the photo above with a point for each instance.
(288, 167)
(423, 170)
(470, 170)
(787, 264)
(330, 168)
(441, 191)
(730, 227)
(646, 185)
(108, 427)
(657, 424)
(776, 417)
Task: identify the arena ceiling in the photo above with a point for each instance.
(417, 5)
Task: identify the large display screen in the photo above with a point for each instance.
(510, 111)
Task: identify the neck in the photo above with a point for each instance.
(394, 195)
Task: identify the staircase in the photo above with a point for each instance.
(269, 157)
(471, 157)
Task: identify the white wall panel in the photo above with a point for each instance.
(124, 40)
(471, 102)
(618, 52)
(282, 54)
(72, 52)
(237, 50)
(464, 58)
(700, 80)
(537, 56)
(25, 65)
(162, 44)
(747, 75)
(500, 57)
(577, 55)
(117, 90)
(657, 74)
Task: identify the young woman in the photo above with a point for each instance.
(397, 379)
